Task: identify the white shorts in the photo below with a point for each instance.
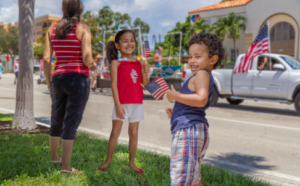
(133, 112)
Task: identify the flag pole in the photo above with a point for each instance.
(269, 45)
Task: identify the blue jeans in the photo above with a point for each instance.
(70, 93)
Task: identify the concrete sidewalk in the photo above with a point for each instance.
(12, 76)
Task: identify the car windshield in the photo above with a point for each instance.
(293, 63)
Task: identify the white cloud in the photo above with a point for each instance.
(161, 15)
(9, 13)
(166, 23)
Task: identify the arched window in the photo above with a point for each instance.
(282, 36)
(282, 31)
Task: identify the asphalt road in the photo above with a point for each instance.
(254, 137)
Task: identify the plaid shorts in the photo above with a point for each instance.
(188, 149)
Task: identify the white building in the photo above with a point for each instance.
(283, 17)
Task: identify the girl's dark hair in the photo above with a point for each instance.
(72, 10)
(111, 50)
(213, 43)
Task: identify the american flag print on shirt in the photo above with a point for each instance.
(146, 48)
(157, 88)
(259, 46)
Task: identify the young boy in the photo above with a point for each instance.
(188, 123)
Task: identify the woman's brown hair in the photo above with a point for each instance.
(72, 10)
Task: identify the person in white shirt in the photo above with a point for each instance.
(16, 71)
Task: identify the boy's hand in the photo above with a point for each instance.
(169, 112)
(171, 94)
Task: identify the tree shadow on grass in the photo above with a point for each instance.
(248, 163)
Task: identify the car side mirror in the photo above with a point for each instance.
(278, 67)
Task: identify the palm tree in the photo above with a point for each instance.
(199, 26)
(24, 117)
(231, 25)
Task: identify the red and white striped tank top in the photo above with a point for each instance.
(68, 54)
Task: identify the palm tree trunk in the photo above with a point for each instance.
(24, 117)
(235, 52)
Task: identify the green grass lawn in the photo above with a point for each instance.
(24, 160)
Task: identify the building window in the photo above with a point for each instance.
(232, 54)
(208, 21)
(39, 24)
(39, 33)
(34, 33)
(272, 34)
(292, 33)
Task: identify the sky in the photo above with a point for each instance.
(161, 15)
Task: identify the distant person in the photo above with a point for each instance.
(158, 57)
(189, 126)
(16, 70)
(1, 69)
(127, 75)
(101, 68)
(70, 85)
(263, 63)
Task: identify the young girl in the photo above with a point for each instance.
(127, 74)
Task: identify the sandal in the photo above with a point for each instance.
(140, 172)
(73, 171)
(58, 162)
(101, 169)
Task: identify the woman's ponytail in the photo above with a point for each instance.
(111, 51)
(72, 10)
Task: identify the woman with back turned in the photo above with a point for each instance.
(70, 86)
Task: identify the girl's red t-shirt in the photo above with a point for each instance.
(129, 82)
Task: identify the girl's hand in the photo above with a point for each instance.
(145, 67)
(171, 94)
(120, 111)
(169, 112)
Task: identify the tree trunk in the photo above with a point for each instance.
(24, 117)
(235, 52)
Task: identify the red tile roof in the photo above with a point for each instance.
(221, 5)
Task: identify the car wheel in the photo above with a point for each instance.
(234, 101)
(297, 103)
(214, 98)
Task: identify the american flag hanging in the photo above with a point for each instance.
(259, 46)
(146, 48)
(157, 88)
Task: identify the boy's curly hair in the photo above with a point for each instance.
(213, 43)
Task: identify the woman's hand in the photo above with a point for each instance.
(49, 89)
(93, 68)
(169, 112)
(120, 111)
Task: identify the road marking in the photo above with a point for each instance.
(92, 101)
(168, 150)
(249, 123)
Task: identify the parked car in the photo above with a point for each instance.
(279, 83)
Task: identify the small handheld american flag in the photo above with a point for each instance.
(146, 48)
(157, 88)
